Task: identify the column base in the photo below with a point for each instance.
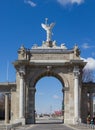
(30, 121)
(77, 121)
(72, 121)
(68, 121)
(20, 120)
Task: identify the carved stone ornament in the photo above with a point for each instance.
(49, 68)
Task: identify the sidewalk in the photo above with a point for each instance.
(82, 127)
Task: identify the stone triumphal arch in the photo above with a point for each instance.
(47, 60)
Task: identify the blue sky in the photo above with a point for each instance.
(20, 23)
(48, 95)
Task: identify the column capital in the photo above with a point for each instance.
(76, 71)
(22, 71)
(7, 93)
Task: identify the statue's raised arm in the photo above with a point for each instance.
(52, 25)
(48, 29)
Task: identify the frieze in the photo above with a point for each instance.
(51, 51)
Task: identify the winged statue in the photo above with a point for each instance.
(48, 29)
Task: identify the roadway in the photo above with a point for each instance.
(49, 127)
(46, 124)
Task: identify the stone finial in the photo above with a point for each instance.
(63, 46)
(22, 52)
(76, 51)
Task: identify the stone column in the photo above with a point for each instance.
(31, 105)
(6, 108)
(21, 93)
(63, 103)
(76, 95)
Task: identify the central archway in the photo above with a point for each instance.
(49, 100)
(32, 89)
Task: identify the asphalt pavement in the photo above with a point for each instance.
(54, 126)
(45, 126)
(51, 124)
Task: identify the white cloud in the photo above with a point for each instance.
(71, 2)
(55, 96)
(31, 3)
(87, 46)
(90, 63)
(40, 93)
